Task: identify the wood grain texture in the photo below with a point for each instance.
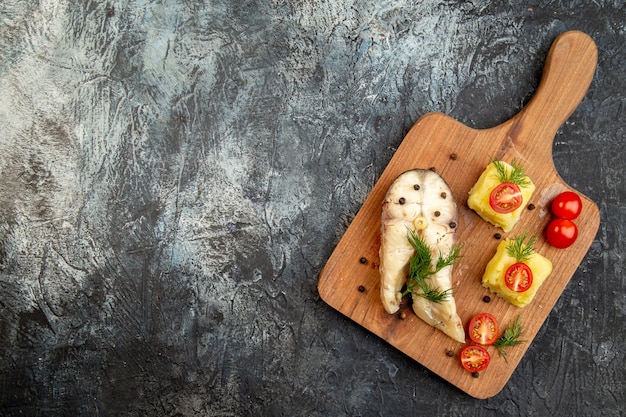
(459, 154)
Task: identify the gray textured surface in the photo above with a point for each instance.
(175, 175)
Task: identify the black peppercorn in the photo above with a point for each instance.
(531, 206)
(449, 353)
(486, 299)
(401, 200)
(453, 156)
(475, 374)
(363, 260)
(497, 236)
(452, 225)
(444, 195)
(416, 187)
(437, 213)
(361, 288)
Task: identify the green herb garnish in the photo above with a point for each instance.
(420, 270)
(519, 250)
(516, 175)
(510, 337)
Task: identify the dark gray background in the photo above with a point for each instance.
(174, 176)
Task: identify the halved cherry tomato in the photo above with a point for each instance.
(561, 233)
(505, 198)
(483, 329)
(567, 205)
(518, 277)
(474, 358)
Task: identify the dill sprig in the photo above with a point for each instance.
(420, 270)
(516, 175)
(510, 337)
(519, 250)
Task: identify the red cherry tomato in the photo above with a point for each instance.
(518, 277)
(483, 329)
(505, 198)
(561, 233)
(567, 205)
(474, 358)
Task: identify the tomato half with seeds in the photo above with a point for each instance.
(561, 233)
(505, 198)
(474, 358)
(518, 277)
(483, 329)
(567, 205)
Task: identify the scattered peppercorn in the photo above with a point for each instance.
(444, 195)
(416, 187)
(486, 299)
(531, 206)
(475, 374)
(453, 156)
(498, 236)
(437, 213)
(363, 260)
(452, 225)
(361, 288)
(402, 200)
(449, 353)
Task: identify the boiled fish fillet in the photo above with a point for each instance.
(421, 201)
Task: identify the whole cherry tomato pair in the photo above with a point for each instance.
(562, 231)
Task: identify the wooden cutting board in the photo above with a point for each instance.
(349, 281)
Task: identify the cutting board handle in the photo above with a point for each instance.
(568, 71)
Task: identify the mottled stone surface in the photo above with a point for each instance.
(175, 175)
